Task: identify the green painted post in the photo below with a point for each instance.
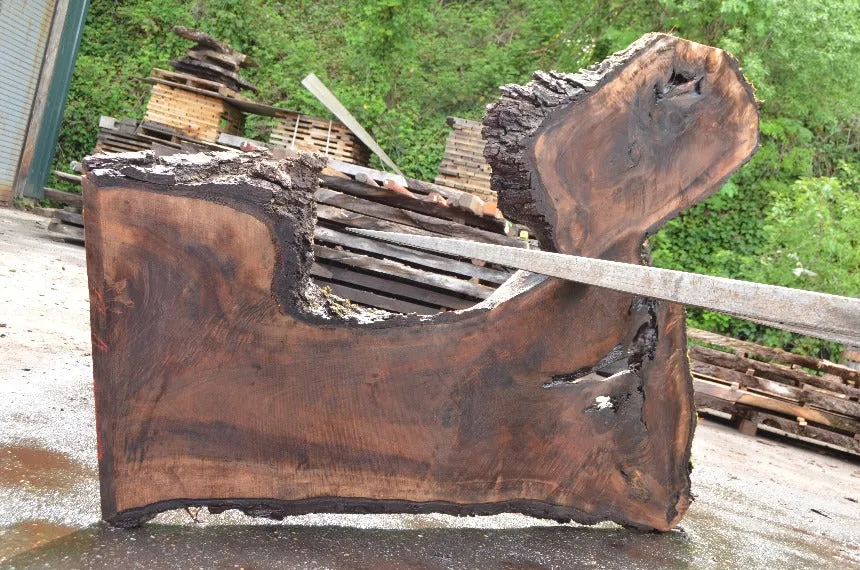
(32, 181)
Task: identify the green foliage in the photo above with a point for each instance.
(402, 66)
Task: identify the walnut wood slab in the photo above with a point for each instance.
(225, 378)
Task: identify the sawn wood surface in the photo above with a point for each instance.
(224, 377)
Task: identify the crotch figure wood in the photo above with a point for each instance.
(225, 378)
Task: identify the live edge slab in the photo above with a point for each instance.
(224, 377)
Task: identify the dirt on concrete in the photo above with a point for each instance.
(760, 503)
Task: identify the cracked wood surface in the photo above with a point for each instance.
(225, 378)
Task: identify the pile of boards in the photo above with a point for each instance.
(212, 60)
(399, 278)
(197, 97)
(762, 388)
(128, 135)
(363, 269)
(295, 131)
(201, 99)
(463, 165)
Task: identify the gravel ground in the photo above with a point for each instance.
(759, 502)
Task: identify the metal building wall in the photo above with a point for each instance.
(24, 29)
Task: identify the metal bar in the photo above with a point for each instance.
(830, 317)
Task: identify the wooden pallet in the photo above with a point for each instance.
(332, 138)
(193, 114)
(120, 135)
(197, 82)
(463, 165)
(718, 402)
(806, 397)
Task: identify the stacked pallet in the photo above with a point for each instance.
(301, 132)
(199, 97)
(120, 135)
(67, 225)
(761, 388)
(199, 116)
(128, 135)
(463, 165)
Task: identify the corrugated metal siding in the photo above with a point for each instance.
(24, 29)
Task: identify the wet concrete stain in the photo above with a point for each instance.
(36, 468)
(28, 535)
(267, 546)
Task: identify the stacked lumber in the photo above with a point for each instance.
(67, 225)
(199, 116)
(761, 388)
(398, 278)
(295, 131)
(212, 60)
(195, 84)
(463, 165)
(197, 97)
(128, 135)
(120, 135)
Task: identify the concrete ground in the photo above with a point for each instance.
(760, 503)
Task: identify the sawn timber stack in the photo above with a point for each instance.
(225, 378)
(761, 388)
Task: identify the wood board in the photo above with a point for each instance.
(224, 378)
(760, 387)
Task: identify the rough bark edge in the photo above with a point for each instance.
(518, 114)
(277, 509)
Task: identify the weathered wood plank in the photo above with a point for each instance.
(313, 84)
(748, 399)
(69, 198)
(395, 269)
(743, 349)
(378, 284)
(832, 403)
(771, 388)
(431, 225)
(424, 259)
(425, 207)
(770, 371)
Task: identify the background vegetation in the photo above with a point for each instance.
(790, 217)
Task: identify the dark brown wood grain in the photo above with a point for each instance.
(224, 377)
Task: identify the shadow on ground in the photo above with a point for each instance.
(164, 546)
